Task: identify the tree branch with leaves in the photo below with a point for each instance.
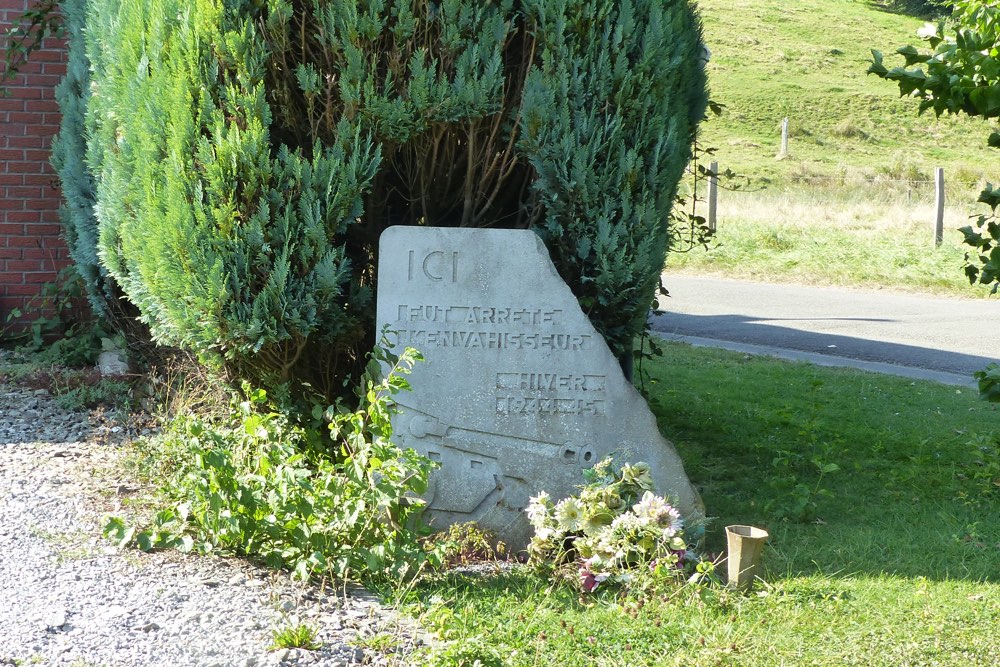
(42, 19)
(959, 73)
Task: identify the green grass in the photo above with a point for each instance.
(852, 202)
(898, 564)
(845, 238)
(807, 60)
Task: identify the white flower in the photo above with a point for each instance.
(650, 506)
(544, 534)
(595, 522)
(538, 510)
(569, 514)
(626, 525)
(660, 512)
(670, 521)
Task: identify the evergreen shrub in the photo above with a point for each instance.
(78, 187)
(248, 153)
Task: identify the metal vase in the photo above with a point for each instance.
(744, 546)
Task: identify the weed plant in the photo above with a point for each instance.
(295, 636)
(73, 388)
(338, 504)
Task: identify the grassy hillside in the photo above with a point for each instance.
(807, 60)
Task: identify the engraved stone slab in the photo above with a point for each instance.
(518, 393)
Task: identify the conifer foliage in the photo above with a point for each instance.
(248, 153)
(78, 186)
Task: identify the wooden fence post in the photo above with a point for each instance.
(713, 196)
(939, 206)
(784, 137)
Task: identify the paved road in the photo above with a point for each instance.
(944, 339)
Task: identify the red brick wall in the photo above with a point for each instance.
(31, 251)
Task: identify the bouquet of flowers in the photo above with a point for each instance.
(615, 525)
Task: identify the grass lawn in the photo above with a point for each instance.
(807, 60)
(852, 204)
(892, 559)
(842, 237)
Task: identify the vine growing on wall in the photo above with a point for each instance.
(42, 19)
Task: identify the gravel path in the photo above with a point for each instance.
(68, 598)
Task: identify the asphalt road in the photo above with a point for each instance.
(943, 339)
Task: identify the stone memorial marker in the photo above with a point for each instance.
(518, 393)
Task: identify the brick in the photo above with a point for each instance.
(9, 228)
(14, 179)
(22, 242)
(11, 154)
(43, 230)
(24, 142)
(59, 69)
(28, 265)
(47, 82)
(52, 244)
(11, 104)
(49, 55)
(23, 216)
(25, 70)
(44, 180)
(27, 93)
(8, 304)
(42, 204)
(12, 278)
(45, 106)
(24, 192)
(10, 253)
(21, 117)
(21, 167)
(40, 129)
(11, 204)
(21, 289)
(40, 277)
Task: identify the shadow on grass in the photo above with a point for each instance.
(921, 9)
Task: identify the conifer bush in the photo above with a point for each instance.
(248, 153)
(78, 187)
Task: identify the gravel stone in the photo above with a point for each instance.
(67, 597)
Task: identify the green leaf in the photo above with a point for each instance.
(113, 528)
(877, 68)
(989, 383)
(911, 55)
(145, 541)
